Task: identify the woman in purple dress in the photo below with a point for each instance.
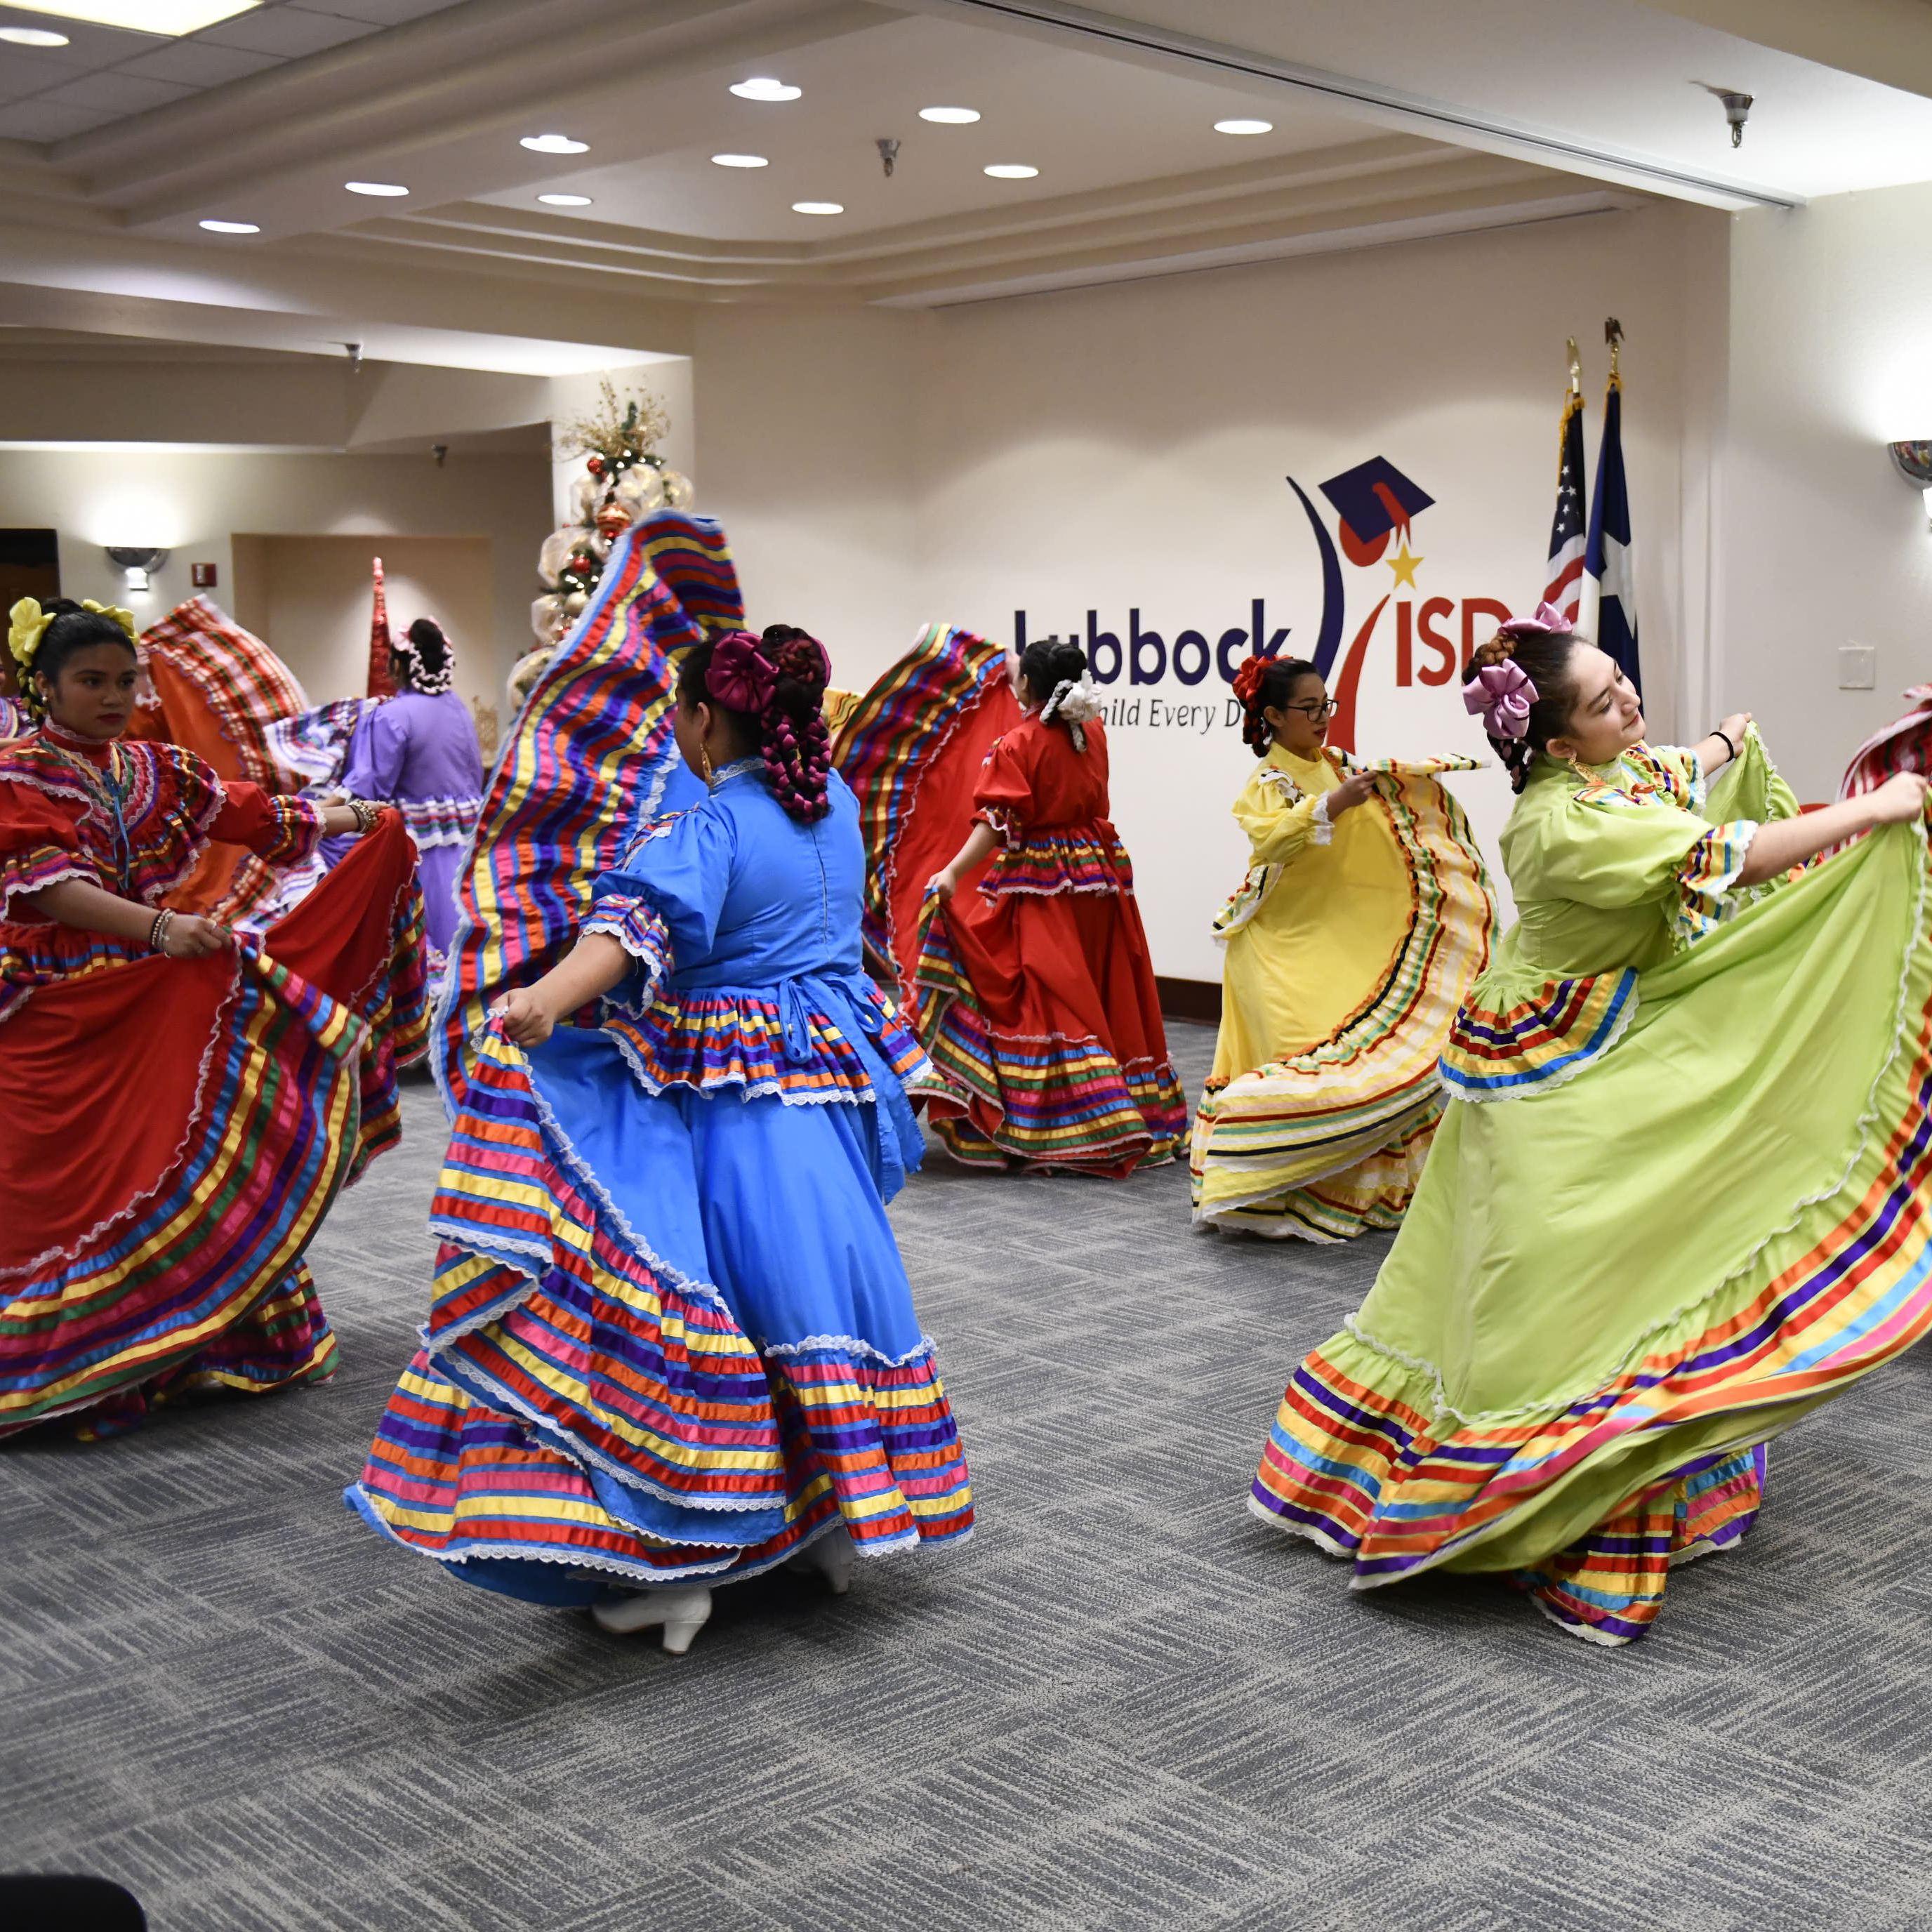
(418, 751)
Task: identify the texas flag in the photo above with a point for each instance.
(1566, 527)
(1607, 559)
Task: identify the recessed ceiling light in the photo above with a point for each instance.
(762, 87)
(1244, 127)
(233, 227)
(33, 37)
(374, 187)
(818, 208)
(739, 161)
(148, 16)
(1012, 171)
(950, 117)
(553, 144)
(565, 200)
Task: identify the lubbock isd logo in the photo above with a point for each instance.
(1374, 505)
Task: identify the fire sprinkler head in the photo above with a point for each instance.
(888, 152)
(1737, 106)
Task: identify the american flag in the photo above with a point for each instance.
(1567, 540)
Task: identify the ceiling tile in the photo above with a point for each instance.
(199, 63)
(116, 93)
(88, 46)
(381, 13)
(288, 31)
(44, 120)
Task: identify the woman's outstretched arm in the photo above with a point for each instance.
(1777, 847)
(588, 970)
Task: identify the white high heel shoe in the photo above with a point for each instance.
(831, 1557)
(682, 1612)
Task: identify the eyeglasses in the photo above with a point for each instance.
(1326, 709)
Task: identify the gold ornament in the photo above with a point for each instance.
(620, 436)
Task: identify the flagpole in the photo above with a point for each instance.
(1589, 590)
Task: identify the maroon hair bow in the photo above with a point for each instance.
(740, 676)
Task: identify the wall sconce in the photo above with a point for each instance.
(138, 560)
(1915, 464)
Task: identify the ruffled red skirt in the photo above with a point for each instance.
(172, 1132)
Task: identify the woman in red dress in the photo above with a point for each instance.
(178, 1106)
(1036, 998)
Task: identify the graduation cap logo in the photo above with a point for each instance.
(1373, 500)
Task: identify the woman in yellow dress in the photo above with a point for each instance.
(1364, 919)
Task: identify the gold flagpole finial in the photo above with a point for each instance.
(1575, 368)
(1613, 333)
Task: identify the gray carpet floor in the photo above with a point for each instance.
(1125, 1703)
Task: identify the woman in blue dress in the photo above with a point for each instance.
(673, 1343)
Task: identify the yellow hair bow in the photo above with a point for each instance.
(125, 618)
(26, 626)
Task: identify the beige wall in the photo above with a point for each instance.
(806, 452)
(1819, 542)
(313, 596)
(194, 503)
(1127, 449)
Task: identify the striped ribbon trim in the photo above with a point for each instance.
(579, 1403)
(276, 1136)
(586, 763)
(1371, 1088)
(246, 687)
(1500, 1054)
(1362, 1459)
(888, 740)
(1050, 1103)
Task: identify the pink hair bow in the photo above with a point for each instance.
(1548, 621)
(740, 676)
(1501, 694)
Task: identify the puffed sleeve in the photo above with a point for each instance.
(376, 752)
(1607, 849)
(40, 845)
(662, 901)
(283, 831)
(1280, 827)
(1003, 798)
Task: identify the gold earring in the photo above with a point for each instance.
(1583, 771)
(704, 760)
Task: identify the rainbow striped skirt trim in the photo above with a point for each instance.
(1330, 1144)
(587, 1409)
(1049, 1101)
(1580, 1401)
(200, 1282)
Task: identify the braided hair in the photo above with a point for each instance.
(1263, 684)
(789, 733)
(424, 658)
(1048, 663)
(1546, 660)
(74, 628)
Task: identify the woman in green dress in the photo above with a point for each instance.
(1680, 1195)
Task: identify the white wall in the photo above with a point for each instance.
(1126, 448)
(1819, 541)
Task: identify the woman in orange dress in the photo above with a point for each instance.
(1036, 997)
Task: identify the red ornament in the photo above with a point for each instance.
(595, 466)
